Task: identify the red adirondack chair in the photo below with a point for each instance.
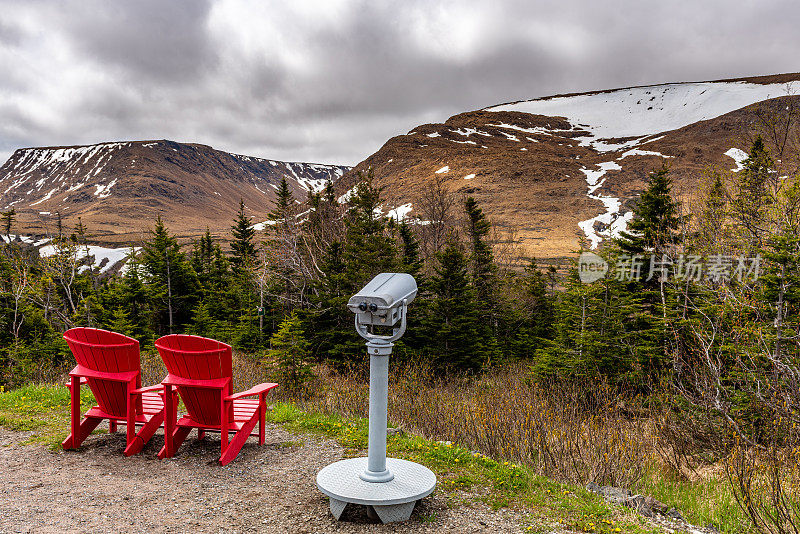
(200, 370)
(109, 363)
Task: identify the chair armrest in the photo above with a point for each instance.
(255, 390)
(214, 383)
(148, 388)
(125, 376)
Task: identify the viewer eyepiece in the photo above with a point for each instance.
(382, 302)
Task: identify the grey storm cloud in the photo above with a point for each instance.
(330, 81)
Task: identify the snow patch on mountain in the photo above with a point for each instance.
(102, 257)
(28, 240)
(466, 132)
(592, 177)
(641, 111)
(348, 194)
(44, 198)
(261, 226)
(467, 142)
(400, 213)
(611, 222)
(637, 152)
(536, 130)
(510, 137)
(104, 191)
(738, 156)
(603, 146)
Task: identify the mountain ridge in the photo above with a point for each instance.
(562, 173)
(116, 186)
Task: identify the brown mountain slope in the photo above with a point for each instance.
(118, 189)
(563, 171)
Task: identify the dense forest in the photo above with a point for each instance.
(300, 270)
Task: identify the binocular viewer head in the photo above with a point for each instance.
(382, 301)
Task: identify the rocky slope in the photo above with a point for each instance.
(562, 172)
(118, 189)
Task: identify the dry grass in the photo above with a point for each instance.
(572, 434)
(560, 433)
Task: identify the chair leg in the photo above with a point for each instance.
(201, 434)
(177, 438)
(137, 442)
(223, 426)
(180, 435)
(74, 412)
(170, 416)
(262, 414)
(130, 421)
(112, 426)
(232, 450)
(85, 428)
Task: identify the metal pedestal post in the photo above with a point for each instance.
(378, 412)
(390, 486)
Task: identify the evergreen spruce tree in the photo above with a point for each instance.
(481, 257)
(656, 218)
(711, 223)
(484, 274)
(452, 324)
(367, 248)
(530, 323)
(59, 225)
(133, 299)
(752, 194)
(120, 322)
(650, 238)
(414, 340)
(203, 322)
(780, 291)
(410, 260)
(171, 281)
(284, 204)
(329, 319)
(289, 353)
(8, 220)
(596, 334)
(217, 288)
(80, 233)
(240, 297)
(283, 250)
(243, 250)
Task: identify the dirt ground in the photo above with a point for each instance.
(266, 489)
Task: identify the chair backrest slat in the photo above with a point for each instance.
(108, 352)
(197, 358)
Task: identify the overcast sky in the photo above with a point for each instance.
(330, 81)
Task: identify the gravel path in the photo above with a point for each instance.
(266, 489)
